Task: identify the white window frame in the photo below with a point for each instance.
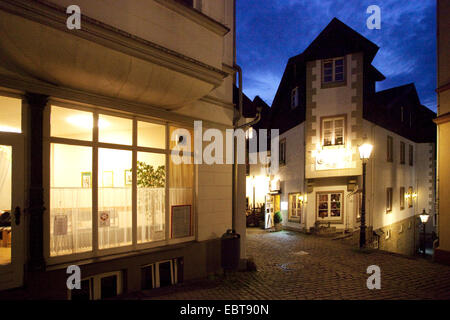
(333, 130)
(96, 145)
(329, 217)
(333, 70)
(299, 207)
(95, 292)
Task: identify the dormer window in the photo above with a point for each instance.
(294, 98)
(333, 70)
(333, 131)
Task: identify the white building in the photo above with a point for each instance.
(325, 104)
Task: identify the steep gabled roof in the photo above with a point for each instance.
(338, 39)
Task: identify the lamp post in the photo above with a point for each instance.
(424, 219)
(364, 153)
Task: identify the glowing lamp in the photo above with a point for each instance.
(424, 217)
(365, 150)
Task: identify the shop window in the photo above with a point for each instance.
(388, 200)
(151, 196)
(282, 151)
(181, 195)
(115, 130)
(10, 114)
(151, 135)
(114, 198)
(333, 131)
(295, 207)
(70, 199)
(402, 152)
(411, 155)
(390, 147)
(402, 198)
(71, 123)
(329, 205)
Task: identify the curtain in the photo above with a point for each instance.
(151, 214)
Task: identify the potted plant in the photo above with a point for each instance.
(277, 219)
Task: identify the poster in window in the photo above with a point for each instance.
(86, 180)
(128, 177)
(181, 221)
(60, 225)
(104, 219)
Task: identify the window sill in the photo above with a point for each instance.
(335, 84)
(334, 146)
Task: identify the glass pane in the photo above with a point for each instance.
(339, 76)
(151, 135)
(114, 198)
(70, 199)
(339, 123)
(328, 65)
(151, 197)
(328, 79)
(339, 69)
(10, 114)
(115, 130)
(5, 204)
(71, 123)
(339, 62)
(181, 182)
(108, 287)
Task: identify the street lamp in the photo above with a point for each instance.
(424, 218)
(364, 153)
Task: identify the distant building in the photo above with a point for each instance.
(87, 117)
(442, 253)
(325, 104)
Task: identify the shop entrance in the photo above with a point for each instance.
(11, 207)
(272, 206)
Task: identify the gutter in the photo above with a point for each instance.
(237, 115)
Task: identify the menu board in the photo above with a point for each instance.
(181, 221)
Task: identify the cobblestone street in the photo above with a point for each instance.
(297, 266)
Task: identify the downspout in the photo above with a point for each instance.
(237, 114)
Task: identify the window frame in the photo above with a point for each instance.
(329, 218)
(342, 117)
(333, 72)
(282, 150)
(96, 145)
(402, 152)
(389, 198)
(402, 198)
(296, 218)
(95, 285)
(390, 149)
(411, 155)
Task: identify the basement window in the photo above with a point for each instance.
(101, 286)
(160, 274)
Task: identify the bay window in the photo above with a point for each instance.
(112, 184)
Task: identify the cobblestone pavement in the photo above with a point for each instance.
(297, 266)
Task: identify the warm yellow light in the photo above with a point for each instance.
(10, 129)
(414, 195)
(300, 198)
(365, 150)
(86, 121)
(424, 216)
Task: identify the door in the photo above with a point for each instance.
(11, 197)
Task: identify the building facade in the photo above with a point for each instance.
(325, 107)
(89, 116)
(442, 253)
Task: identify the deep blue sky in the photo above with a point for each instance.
(271, 31)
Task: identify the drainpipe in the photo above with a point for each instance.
(237, 114)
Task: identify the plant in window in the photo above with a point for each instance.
(148, 177)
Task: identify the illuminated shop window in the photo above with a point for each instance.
(10, 115)
(295, 207)
(329, 205)
(77, 185)
(70, 199)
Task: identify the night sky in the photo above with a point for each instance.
(269, 32)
